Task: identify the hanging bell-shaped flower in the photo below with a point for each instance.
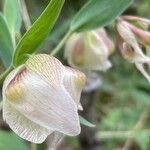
(41, 98)
(89, 50)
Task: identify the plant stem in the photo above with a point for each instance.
(140, 123)
(3, 75)
(1, 105)
(33, 146)
(120, 134)
(61, 44)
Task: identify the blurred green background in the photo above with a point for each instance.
(122, 102)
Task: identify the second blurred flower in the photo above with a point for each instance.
(89, 50)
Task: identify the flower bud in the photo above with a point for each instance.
(89, 50)
(42, 97)
(140, 28)
(134, 38)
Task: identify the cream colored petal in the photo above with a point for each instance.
(140, 67)
(97, 62)
(107, 41)
(71, 43)
(54, 140)
(96, 55)
(47, 67)
(48, 105)
(99, 46)
(74, 50)
(22, 126)
(129, 37)
(138, 19)
(12, 75)
(74, 82)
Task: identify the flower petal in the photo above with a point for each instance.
(107, 41)
(22, 126)
(74, 50)
(88, 51)
(48, 105)
(47, 67)
(96, 55)
(74, 82)
(129, 37)
(143, 36)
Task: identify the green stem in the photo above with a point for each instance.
(121, 134)
(3, 75)
(61, 44)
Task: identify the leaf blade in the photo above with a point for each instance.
(14, 141)
(12, 12)
(6, 45)
(38, 31)
(98, 13)
(84, 122)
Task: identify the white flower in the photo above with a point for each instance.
(133, 39)
(42, 97)
(89, 50)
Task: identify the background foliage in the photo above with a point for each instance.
(122, 99)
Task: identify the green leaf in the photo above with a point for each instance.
(12, 12)
(6, 46)
(98, 13)
(38, 31)
(85, 122)
(10, 141)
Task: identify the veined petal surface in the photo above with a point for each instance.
(22, 126)
(74, 82)
(43, 100)
(43, 95)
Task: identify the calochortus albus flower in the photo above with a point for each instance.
(134, 41)
(89, 50)
(41, 98)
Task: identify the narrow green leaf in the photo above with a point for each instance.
(6, 46)
(38, 31)
(12, 12)
(85, 122)
(10, 141)
(98, 13)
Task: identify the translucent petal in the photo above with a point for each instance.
(47, 67)
(97, 62)
(74, 50)
(74, 82)
(99, 46)
(22, 126)
(96, 55)
(87, 51)
(11, 76)
(48, 105)
(129, 37)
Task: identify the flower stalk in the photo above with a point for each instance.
(61, 44)
(1, 105)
